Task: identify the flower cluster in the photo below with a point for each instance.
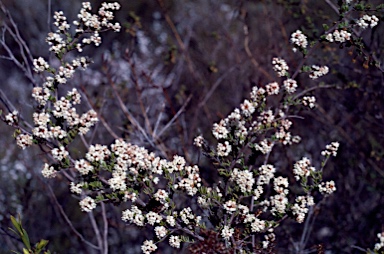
(300, 208)
(338, 36)
(280, 66)
(24, 140)
(48, 171)
(302, 168)
(327, 187)
(299, 39)
(227, 232)
(367, 20)
(87, 204)
(290, 85)
(12, 118)
(148, 247)
(318, 71)
(380, 244)
(331, 149)
(309, 101)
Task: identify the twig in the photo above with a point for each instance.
(97, 232)
(127, 113)
(181, 110)
(67, 220)
(105, 231)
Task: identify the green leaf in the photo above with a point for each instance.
(25, 239)
(16, 225)
(41, 245)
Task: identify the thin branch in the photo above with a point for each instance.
(100, 117)
(215, 86)
(181, 110)
(105, 231)
(180, 42)
(68, 221)
(97, 231)
(127, 113)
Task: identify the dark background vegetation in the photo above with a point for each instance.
(194, 55)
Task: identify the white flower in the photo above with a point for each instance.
(318, 71)
(48, 171)
(160, 231)
(331, 149)
(280, 66)
(227, 232)
(171, 220)
(87, 204)
(244, 179)
(367, 20)
(97, 153)
(24, 140)
(153, 218)
(174, 241)
(198, 141)
(290, 85)
(220, 130)
(59, 153)
(230, 206)
(223, 149)
(272, 88)
(309, 101)
(299, 39)
(247, 108)
(327, 187)
(148, 247)
(83, 166)
(302, 168)
(76, 188)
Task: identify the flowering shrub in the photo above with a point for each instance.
(240, 210)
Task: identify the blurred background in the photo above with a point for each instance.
(181, 66)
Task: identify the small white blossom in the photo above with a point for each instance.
(244, 179)
(327, 187)
(299, 39)
(280, 66)
(227, 232)
(309, 101)
(160, 231)
(223, 149)
(59, 153)
(76, 188)
(318, 71)
(247, 108)
(302, 168)
(12, 118)
(40, 65)
(220, 130)
(331, 149)
(230, 206)
(366, 21)
(290, 85)
(174, 241)
(272, 88)
(380, 244)
(153, 218)
(87, 204)
(148, 247)
(171, 220)
(198, 141)
(48, 171)
(24, 140)
(83, 166)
